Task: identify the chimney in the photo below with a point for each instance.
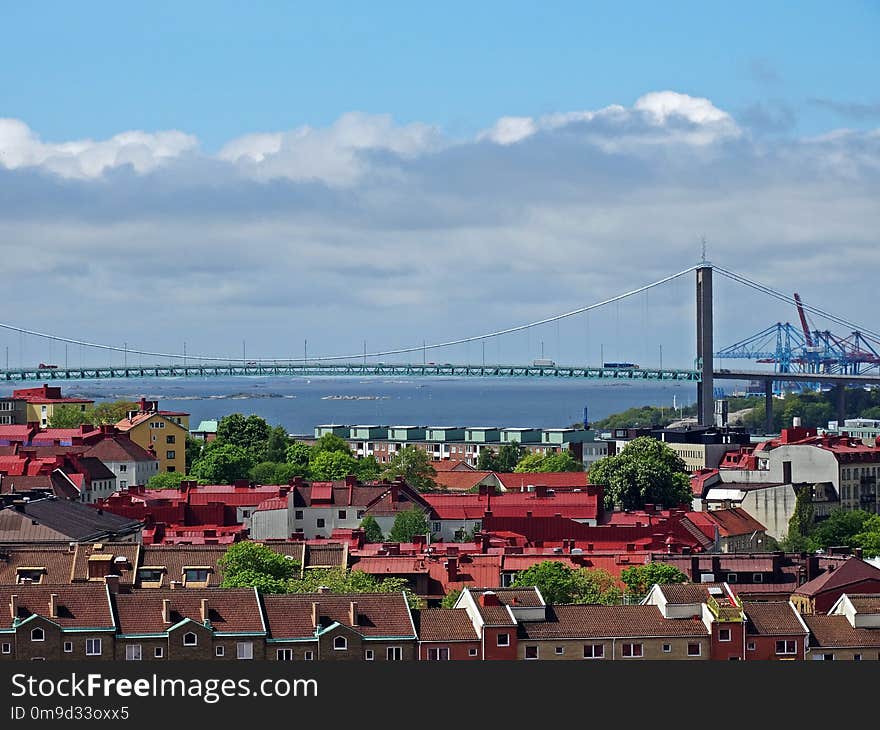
(323, 589)
(489, 598)
(695, 568)
(282, 491)
(857, 552)
(175, 584)
(53, 605)
(351, 480)
(395, 490)
(812, 567)
(353, 613)
(112, 582)
(203, 609)
(452, 568)
(13, 606)
(166, 610)
(540, 490)
(485, 542)
(315, 614)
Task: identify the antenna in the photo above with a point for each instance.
(703, 242)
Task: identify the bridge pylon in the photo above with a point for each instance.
(705, 350)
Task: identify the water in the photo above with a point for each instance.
(299, 404)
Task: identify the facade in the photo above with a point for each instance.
(850, 631)
(164, 432)
(132, 464)
(40, 403)
(853, 576)
(12, 411)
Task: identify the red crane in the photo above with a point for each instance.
(803, 316)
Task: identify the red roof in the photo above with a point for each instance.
(573, 505)
(273, 503)
(460, 481)
(21, 434)
(734, 521)
(78, 606)
(322, 491)
(445, 465)
(553, 479)
(851, 571)
(230, 610)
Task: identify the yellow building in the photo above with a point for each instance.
(163, 432)
(40, 403)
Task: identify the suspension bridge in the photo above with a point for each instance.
(832, 360)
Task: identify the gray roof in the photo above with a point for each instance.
(74, 520)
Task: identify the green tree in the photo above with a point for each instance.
(645, 471)
(414, 465)
(111, 412)
(339, 580)
(840, 528)
(247, 564)
(450, 598)
(222, 463)
(264, 472)
(869, 538)
(330, 442)
(69, 416)
(168, 480)
(372, 529)
(529, 463)
(330, 465)
(487, 460)
(509, 456)
(597, 586)
(802, 520)
(299, 454)
(535, 462)
(638, 579)
(193, 450)
(250, 433)
(407, 524)
(277, 443)
(368, 469)
(285, 472)
(557, 582)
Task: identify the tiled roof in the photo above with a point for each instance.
(272, 504)
(517, 482)
(329, 555)
(445, 465)
(734, 521)
(837, 631)
(866, 603)
(174, 558)
(460, 481)
(523, 597)
(851, 571)
(97, 470)
(129, 551)
(601, 622)
(379, 614)
(771, 618)
(445, 624)
(496, 615)
(230, 610)
(687, 593)
(571, 505)
(115, 448)
(392, 565)
(80, 606)
(56, 559)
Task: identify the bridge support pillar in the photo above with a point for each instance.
(705, 350)
(768, 406)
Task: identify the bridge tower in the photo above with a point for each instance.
(705, 350)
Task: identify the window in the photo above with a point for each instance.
(560, 650)
(190, 639)
(195, 575)
(786, 647)
(472, 652)
(220, 650)
(169, 454)
(123, 484)
(150, 575)
(159, 652)
(169, 439)
(731, 577)
(368, 655)
(751, 646)
(667, 648)
(340, 643)
(133, 652)
(757, 577)
(694, 649)
(284, 655)
(531, 652)
(6, 648)
(38, 635)
(723, 634)
(361, 513)
(394, 654)
(123, 468)
(342, 514)
(438, 654)
(309, 655)
(503, 639)
(857, 657)
(435, 527)
(93, 647)
(298, 514)
(68, 647)
(320, 522)
(594, 651)
(244, 650)
(632, 650)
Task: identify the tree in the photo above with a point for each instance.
(111, 412)
(299, 454)
(340, 580)
(509, 456)
(247, 564)
(638, 579)
(168, 480)
(488, 460)
(264, 473)
(557, 582)
(414, 465)
(329, 465)
(450, 598)
(69, 416)
(536, 462)
(801, 523)
(407, 524)
(840, 528)
(330, 442)
(646, 471)
(372, 529)
(869, 538)
(194, 448)
(277, 443)
(251, 433)
(368, 469)
(222, 463)
(596, 585)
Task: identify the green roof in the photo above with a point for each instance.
(206, 427)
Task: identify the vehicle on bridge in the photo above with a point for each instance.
(543, 363)
(44, 366)
(620, 366)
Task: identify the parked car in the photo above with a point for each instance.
(44, 366)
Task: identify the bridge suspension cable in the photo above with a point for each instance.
(327, 358)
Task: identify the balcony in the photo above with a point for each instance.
(726, 609)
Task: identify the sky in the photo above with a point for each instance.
(251, 177)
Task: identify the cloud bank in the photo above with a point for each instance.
(395, 233)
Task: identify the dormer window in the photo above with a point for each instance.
(196, 575)
(29, 575)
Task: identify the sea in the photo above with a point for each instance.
(299, 404)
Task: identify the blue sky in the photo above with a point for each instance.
(219, 70)
(404, 171)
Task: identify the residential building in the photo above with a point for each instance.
(853, 576)
(774, 631)
(163, 432)
(13, 411)
(132, 464)
(850, 630)
(447, 634)
(206, 431)
(736, 530)
(42, 401)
